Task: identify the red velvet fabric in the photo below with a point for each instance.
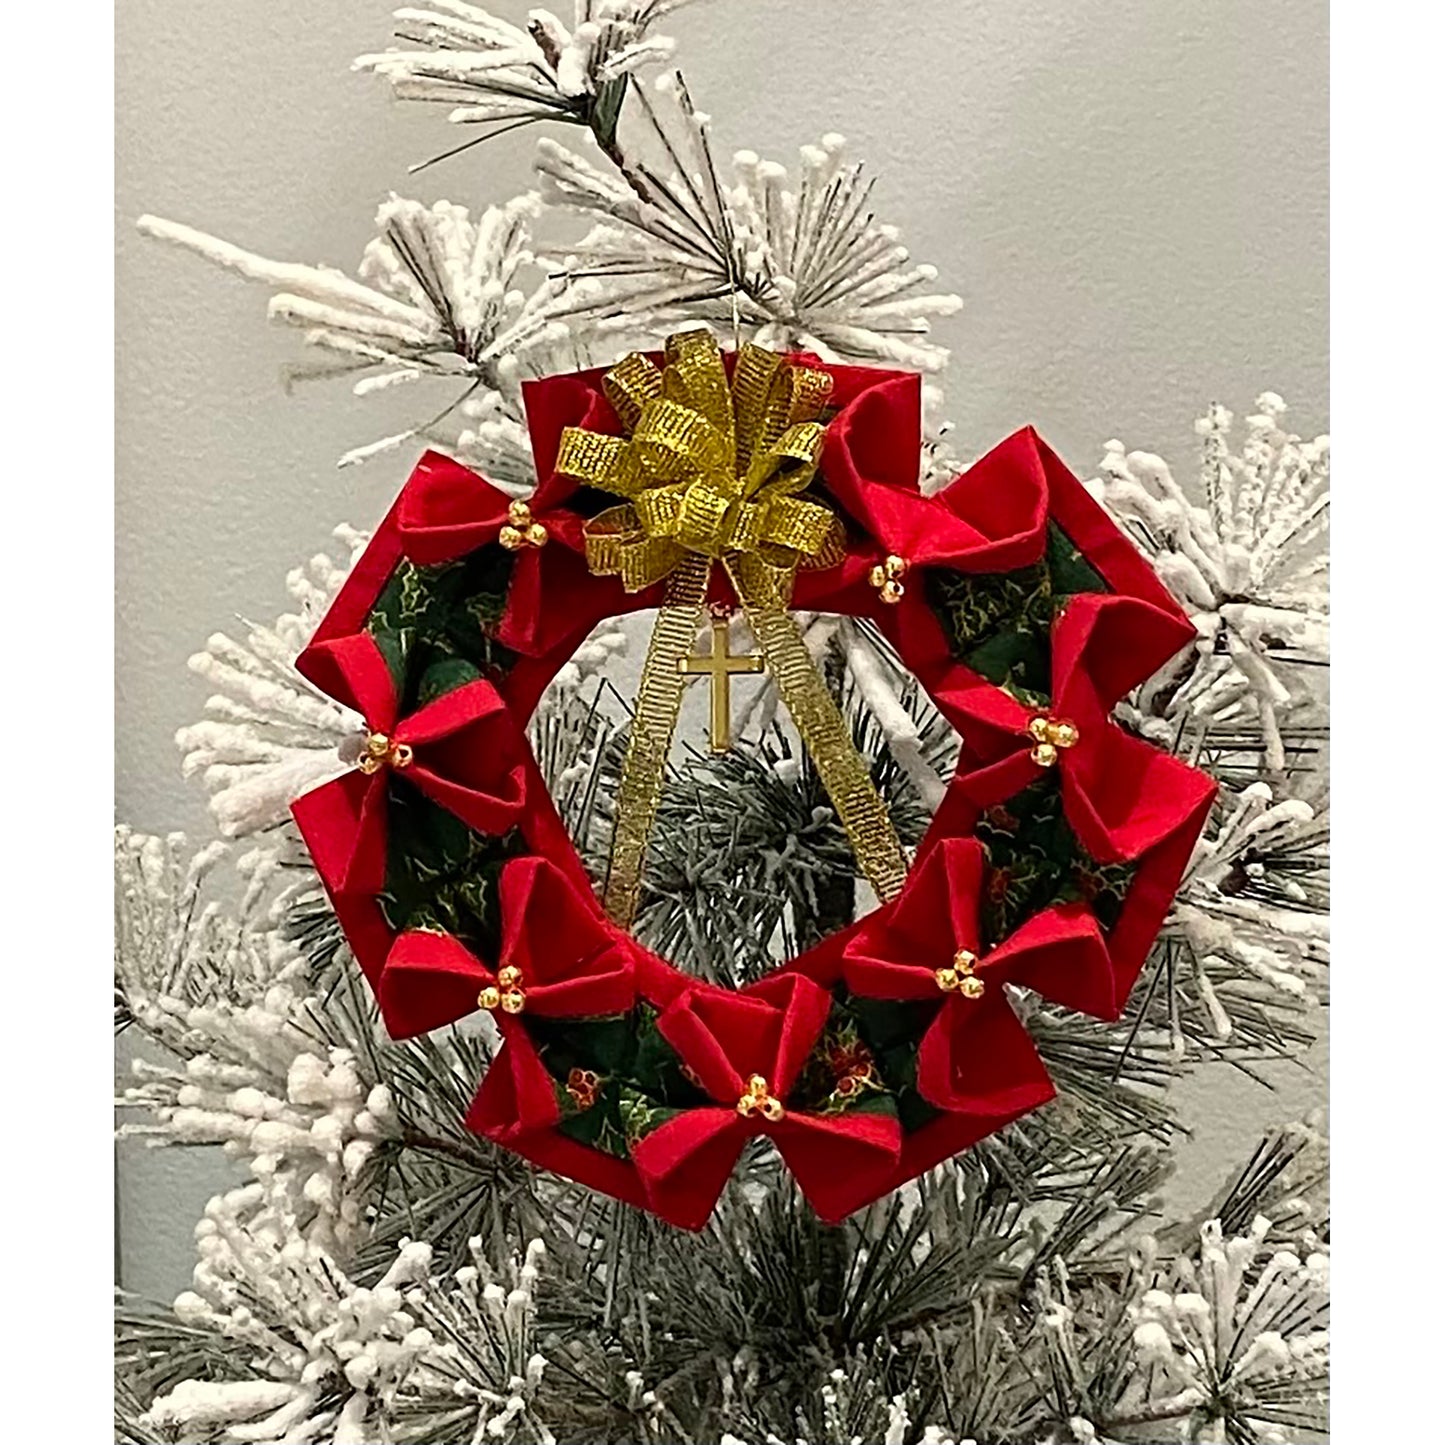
(573, 964)
(447, 511)
(1125, 800)
(839, 1160)
(466, 757)
(1122, 796)
(975, 1054)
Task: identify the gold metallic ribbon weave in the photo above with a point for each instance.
(713, 473)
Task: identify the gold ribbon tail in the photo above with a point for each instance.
(762, 590)
(659, 700)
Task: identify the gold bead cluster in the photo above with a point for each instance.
(1051, 737)
(959, 977)
(380, 752)
(887, 577)
(758, 1100)
(520, 529)
(506, 994)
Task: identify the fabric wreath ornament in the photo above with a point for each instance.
(746, 1050)
(975, 1056)
(559, 959)
(690, 479)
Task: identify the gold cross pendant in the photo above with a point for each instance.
(720, 665)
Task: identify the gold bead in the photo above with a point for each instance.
(380, 751)
(1064, 735)
(887, 577)
(520, 529)
(508, 976)
(489, 998)
(514, 1002)
(946, 979)
(1051, 736)
(758, 1100)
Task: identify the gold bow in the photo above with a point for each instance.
(713, 472)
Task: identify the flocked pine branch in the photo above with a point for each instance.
(269, 735)
(1244, 556)
(806, 267)
(1253, 907)
(438, 295)
(489, 72)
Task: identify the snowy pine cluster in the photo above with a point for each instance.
(382, 1275)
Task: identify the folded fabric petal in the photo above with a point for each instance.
(685, 1163)
(447, 510)
(584, 969)
(353, 670)
(1104, 644)
(430, 980)
(573, 962)
(979, 1061)
(343, 824)
(463, 751)
(1123, 797)
(1061, 955)
(841, 1161)
(954, 1130)
(726, 1037)
(992, 518)
(746, 1051)
(517, 1097)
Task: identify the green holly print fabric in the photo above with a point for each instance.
(999, 623)
(434, 625)
(1035, 861)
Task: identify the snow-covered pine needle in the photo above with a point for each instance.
(1244, 557)
(437, 294)
(268, 735)
(805, 267)
(491, 72)
(1253, 907)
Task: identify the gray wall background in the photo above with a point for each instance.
(1130, 195)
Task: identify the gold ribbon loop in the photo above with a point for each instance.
(712, 472)
(630, 385)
